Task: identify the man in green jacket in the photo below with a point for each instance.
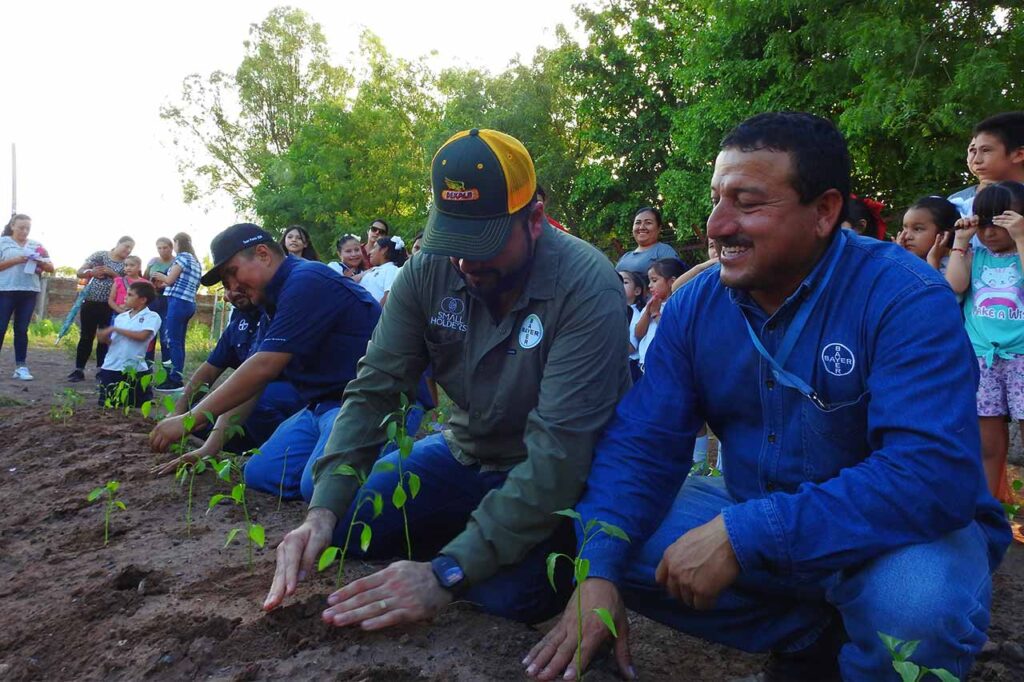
(524, 327)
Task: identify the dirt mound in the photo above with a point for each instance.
(159, 604)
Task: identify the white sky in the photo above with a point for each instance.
(83, 83)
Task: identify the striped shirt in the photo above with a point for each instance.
(187, 284)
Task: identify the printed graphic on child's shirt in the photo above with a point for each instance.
(998, 293)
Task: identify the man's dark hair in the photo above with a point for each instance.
(143, 289)
(818, 149)
(1007, 126)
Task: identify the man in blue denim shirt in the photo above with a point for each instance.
(854, 501)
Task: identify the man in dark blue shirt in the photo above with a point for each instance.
(836, 371)
(320, 325)
(258, 417)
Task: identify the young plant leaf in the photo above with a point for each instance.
(378, 504)
(231, 535)
(891, 644)
(398, 498)
(346, 470)
(146, 408)
(608, 621)
(908, 648)
(943, 674)
(210, 419)
(614, 531)
(582, 570)
(238, 492)
(908, 671)
(365, 535)
(120, 505)
(113, 486)
(392, 430)
(327, 558)
(257, 534)
(95, 494)
(552, 562)
(403, 400)
(382, 468)
(570, 513)
(168, 404)
(414, 485)
(405, 444)
(590, 524)
(188, 421)
(1016, 485)
(215, 500)
(146, 380)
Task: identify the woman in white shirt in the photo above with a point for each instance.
(387, 254)
(21, 262)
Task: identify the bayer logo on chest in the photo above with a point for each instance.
(531, 331)
(838, 359)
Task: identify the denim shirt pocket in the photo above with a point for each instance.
(834, 437)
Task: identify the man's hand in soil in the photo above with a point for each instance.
(404, 592)
(171, 430)
(555, 655)
(298, 552)
(698, 566)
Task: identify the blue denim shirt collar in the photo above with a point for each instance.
(744, 300)
(273, 289)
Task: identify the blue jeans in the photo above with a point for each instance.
(20, 305)
(284, 465)
(179, 312)
(449, 493)
(939, 593)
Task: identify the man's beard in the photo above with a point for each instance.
(510, 281)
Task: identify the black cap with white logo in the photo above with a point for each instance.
(229, 242)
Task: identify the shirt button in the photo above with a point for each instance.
(769, 486)
(476, 415)
(770, 384)
(771, 437)
(770, 326)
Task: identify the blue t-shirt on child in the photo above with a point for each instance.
(994, 308)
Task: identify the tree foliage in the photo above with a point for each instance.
(229, 127)
(630, 115)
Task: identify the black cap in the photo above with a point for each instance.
(229, 242)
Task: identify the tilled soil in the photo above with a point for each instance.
(160, 604)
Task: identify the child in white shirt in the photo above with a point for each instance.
(129, 337)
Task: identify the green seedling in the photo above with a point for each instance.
(398, 435)
(109, 490)
(254, 532)
(901, 651)
(1013, 508)
(581, 570)
(70, 400)
(371, 497)
(189, 471)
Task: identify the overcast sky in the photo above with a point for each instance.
(83, 84)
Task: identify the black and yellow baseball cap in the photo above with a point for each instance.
(479, 178)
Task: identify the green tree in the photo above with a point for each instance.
(661, 81)
(230, 127)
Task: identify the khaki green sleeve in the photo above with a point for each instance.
(395, 359)
(586, 373)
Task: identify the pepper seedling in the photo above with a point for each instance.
(70, 400)
(581, 570)
(901, 651)
(397, 434)
(189, 470)
(371, 497)
(254, 532)
(109, 490)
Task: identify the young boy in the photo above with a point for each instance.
(995, 154)
(129, 336)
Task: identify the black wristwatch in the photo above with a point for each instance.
(449, 574)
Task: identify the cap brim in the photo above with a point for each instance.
(472, 239)
(212, 277)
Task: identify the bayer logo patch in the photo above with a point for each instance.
(531, 332)
(838, 359)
